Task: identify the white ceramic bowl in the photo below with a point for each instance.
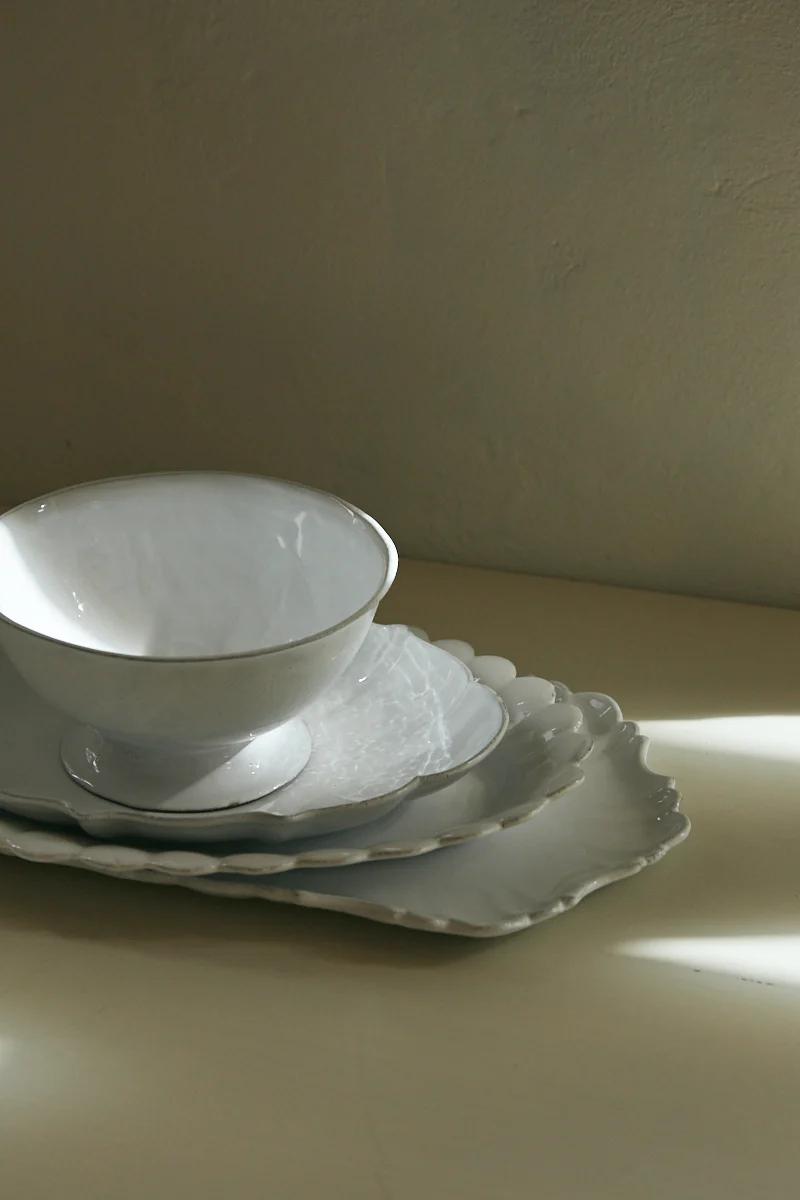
(184, 621)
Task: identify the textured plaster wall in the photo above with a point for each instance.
(522, 278)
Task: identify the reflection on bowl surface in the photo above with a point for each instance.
(187, 565)
(183, 616)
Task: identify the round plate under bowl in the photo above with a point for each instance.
(403, 718)
(185, 781)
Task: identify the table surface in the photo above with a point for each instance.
(154, 1042)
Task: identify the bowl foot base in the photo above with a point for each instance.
(185, 778)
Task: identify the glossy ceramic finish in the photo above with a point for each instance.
(186, 613)
(544, 747)
(623, 818)
(195, 778)
(188, 565)
(404, 717)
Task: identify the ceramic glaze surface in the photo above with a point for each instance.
(622, 818)
(179, 617)
(404, 716)
(187, 565)
(546, 745)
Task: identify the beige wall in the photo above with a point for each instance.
(522, 278)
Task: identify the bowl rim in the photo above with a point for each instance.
(379, 533)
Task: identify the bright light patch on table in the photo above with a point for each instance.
(755, 959)
(769, 737)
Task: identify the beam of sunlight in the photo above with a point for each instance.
(771, 737)
(760, 958)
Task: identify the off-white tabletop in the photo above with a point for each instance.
(158, 1043)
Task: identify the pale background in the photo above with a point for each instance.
(523, 279)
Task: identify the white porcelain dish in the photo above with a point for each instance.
(540, 755)
(624, 817)
(404, 717)
(183, 622)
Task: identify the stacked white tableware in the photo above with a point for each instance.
(193, 691)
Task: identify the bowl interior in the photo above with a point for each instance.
(187, 565)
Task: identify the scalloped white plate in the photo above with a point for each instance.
(540, 754)
(623, 818)
(405, 718)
